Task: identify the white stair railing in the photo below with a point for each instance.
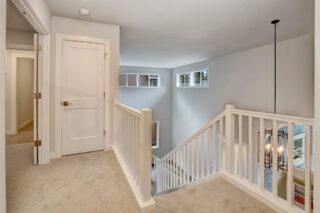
(212, 150)
(270, 121)
(132, 146)
(194, 159)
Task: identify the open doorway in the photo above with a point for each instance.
(20, 85)
(19, 97)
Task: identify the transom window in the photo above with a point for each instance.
(139, 80)
(196, 79)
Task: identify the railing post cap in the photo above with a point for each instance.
(229, 106)
(146, 110)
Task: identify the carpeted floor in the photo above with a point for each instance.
(25, 135)
(94, 183)
(214, 196)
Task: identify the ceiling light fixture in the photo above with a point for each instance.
(84, 11)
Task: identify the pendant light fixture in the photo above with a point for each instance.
(282, 135)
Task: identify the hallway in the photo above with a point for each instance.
(94, 182)
(91, 182)
(25, 135)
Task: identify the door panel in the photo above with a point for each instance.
(82, 97)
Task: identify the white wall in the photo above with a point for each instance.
(2, 105)
(24, 92)
(43, 12)
(158, 99)
(246, 80)
(61, 25)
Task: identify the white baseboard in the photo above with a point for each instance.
(11, 132)
(54, 155)
(25, 124)
(144, 206)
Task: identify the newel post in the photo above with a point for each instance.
(145, 153)
(229, 134)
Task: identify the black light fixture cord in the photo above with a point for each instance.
(275, 22)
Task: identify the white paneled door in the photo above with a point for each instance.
(82, 96)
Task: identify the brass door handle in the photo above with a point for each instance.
(65, 103)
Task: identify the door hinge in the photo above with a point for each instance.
(38, 48)
(104, 133)
(37, 95)
(105, 55)
(104, 94)
(37, 143)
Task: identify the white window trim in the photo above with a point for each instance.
(128, 73)
(191, 78)
(138, 80)
(158, 133)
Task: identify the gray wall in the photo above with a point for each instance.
(17, 39)
(158, 99)
(245, 79)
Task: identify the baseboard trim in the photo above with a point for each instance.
(144, 206)
(25, 124)
(11, 132)
(54, 155)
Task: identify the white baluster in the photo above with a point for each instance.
(188, 162)
(184, 164)
(307, 206)
(208, 152)
(192, 160)
(289, 159)
(178, 169)
(221, 145)
(202, 155)
(240, 161)
(214, 145)
(250, 156)
(197, 158)
(275, 158)
(181, 167)
(261, 154)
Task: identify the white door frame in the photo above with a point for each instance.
(12, 56)
(58, 74)
(35, 20)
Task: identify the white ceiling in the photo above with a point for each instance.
(15, 20)
(171, 33)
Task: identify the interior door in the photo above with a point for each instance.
(82, 97)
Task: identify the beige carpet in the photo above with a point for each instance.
(215, 196)
(94, 183)
(25, 135)
(85, 183)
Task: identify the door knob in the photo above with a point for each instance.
(65, 103)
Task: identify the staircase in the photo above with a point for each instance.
(227, 147)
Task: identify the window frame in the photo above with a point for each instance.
(149, 74)
(191, 79)
(138, 80)
(158, 133)
(126, 73)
